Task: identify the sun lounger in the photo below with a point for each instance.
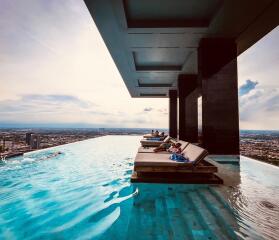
(149, 135)
(159, 168)
(153, 143)
(151, 149)
(160, 162)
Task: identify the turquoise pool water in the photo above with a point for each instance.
(85, 193)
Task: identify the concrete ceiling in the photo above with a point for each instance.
(153, 41)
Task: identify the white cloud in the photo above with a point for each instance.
(259, 109)
(52, 48)
(259, 106)
(49, 48)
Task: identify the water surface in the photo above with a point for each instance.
(85, 193)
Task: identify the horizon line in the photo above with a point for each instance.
(96, 127)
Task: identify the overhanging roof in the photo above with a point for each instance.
(153, 41)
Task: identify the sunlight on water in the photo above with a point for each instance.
(76, 194)
(85, 193)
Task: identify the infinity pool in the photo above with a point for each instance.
(85, 193)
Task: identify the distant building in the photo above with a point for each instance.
(2, 147)
(35, 141)
(28, 138)
(101, 130)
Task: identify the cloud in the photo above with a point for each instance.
(68, 110)
(273, 103)
(155, 111)
(36, 103)
(163, 111)
(57, 99)
(247, 87)
(51, 47)
(147, 109)
(259, 108)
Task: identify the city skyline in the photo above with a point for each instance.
(56, 71)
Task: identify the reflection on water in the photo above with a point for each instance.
(85, 193)
(255, 199)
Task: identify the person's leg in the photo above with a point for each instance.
(161, 148)
(156, 149)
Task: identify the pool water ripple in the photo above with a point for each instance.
(85, 193)
(256, 199)
(65, 193)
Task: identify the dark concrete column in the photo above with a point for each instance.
(173, 113)
(191, 134)
(218, 73)
(181, 116)
(188, 108)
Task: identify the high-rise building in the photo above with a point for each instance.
(28, 138)
(35, 141)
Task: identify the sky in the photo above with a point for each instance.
(55, 70)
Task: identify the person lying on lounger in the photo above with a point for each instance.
(156, 134)
(163, 146)
(169, 147)
(175, 148)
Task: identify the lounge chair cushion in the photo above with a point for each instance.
(150, 143)
(149, 135)
(183, 144)
(194, 153)
(154, 143)
(149, 150)
(155, 139)
(167, 139)
(156, 160)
